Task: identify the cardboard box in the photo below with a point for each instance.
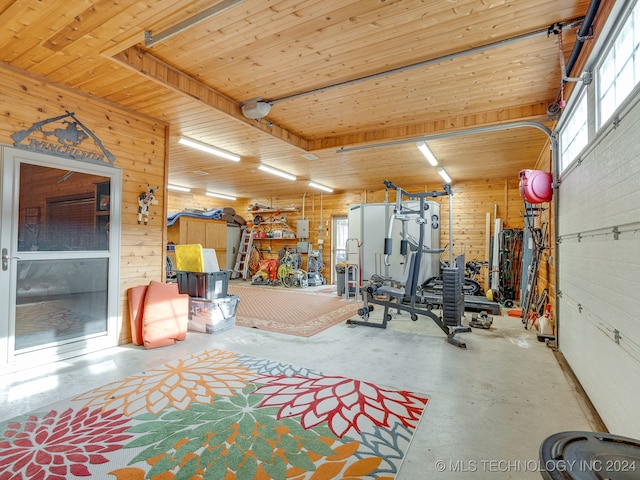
(212, 316)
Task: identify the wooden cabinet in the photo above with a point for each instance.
(206, 232)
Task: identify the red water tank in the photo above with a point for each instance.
(536, 186)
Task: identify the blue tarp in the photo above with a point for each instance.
(211, 215)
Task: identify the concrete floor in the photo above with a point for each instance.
(490, 407)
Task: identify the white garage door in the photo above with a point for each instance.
(599, 273)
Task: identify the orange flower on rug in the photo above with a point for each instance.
(217, 414)
(292, 311)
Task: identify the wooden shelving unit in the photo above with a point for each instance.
(273, 232)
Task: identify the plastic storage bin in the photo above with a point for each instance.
(190, 257)
(207, 285)
(212, 316)
(194, 258)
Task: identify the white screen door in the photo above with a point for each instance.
(59, 238)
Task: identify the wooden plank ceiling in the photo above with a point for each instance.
(338, 74)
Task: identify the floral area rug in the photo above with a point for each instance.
(221, 415)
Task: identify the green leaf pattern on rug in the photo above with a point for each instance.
(234, 429)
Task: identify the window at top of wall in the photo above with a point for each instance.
(574, 135)
(619, 72)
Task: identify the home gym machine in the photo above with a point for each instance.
(407, 299)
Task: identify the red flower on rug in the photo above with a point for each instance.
(61, 444)
(346, 405)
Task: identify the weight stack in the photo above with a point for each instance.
(452, 298)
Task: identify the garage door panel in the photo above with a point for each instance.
(599, 274)
(608, 204)
(591, 346)
(605, 184)
(607, 282)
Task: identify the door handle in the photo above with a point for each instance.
(6, 258)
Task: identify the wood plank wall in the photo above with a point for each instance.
(472, 202)
(137, 143)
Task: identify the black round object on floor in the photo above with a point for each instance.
(589, 456)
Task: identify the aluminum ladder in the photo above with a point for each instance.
(241, 268)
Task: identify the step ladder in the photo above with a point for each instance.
(241, 268)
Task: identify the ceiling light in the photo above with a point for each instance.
(219, 195)
(443, 173)
(255, 110)
(427, 153)
(204, 147)
(277, 172)
(178, 188)
(321, 187)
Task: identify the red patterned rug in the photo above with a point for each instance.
(292, 311)
(217, 414)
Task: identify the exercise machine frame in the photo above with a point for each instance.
(407, 299)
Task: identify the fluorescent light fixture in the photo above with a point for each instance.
(150, 39)
(275, 171)
(178, 188)
(220, 195)
(205, 147)
(422, 146)
(443, 173)
(321, 187)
